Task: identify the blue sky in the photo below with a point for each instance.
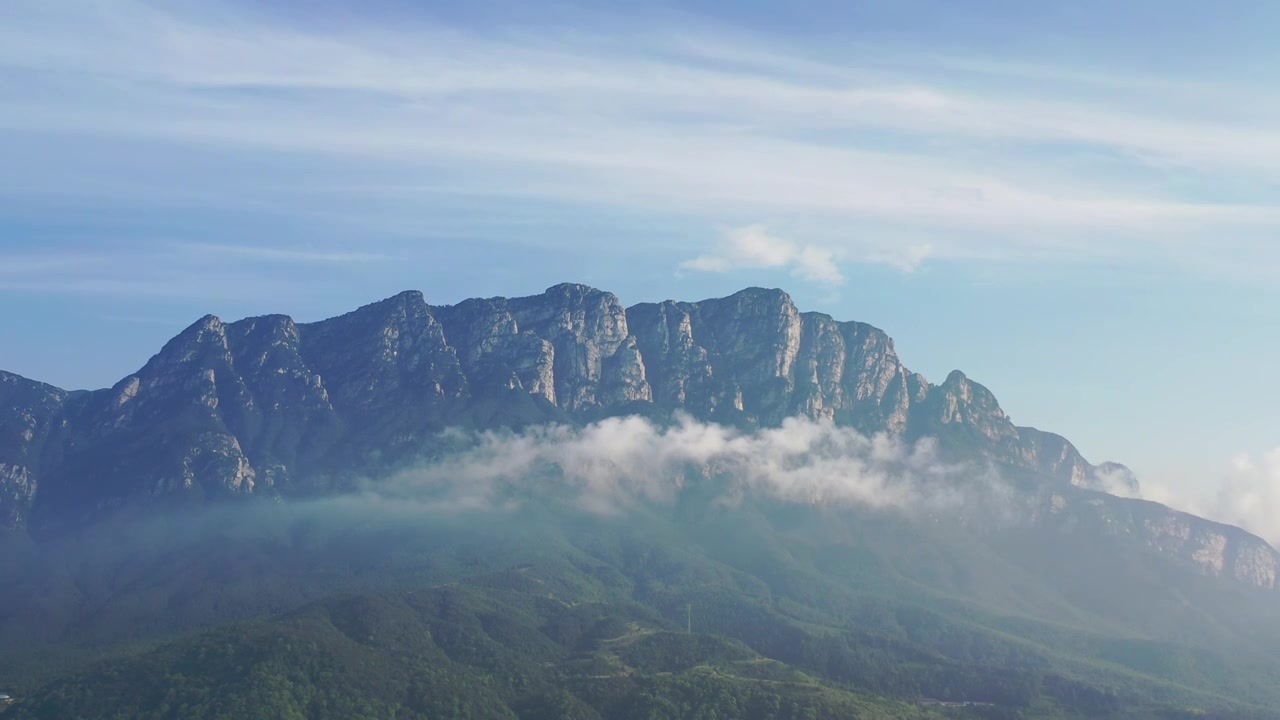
(1076, 203)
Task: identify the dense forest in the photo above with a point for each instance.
(499, 648)
(554, 614)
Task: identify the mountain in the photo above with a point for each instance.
(384, 514)
(268, 407)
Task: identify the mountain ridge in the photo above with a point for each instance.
(268, 406)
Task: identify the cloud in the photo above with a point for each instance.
(753, 247)
(907, 259)
(1115, 479)
(707, 126)
(282, 255)
(164, 269)
(1249, 496)
(609, 465)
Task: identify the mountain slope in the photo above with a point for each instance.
(545, 611)
(494, 649)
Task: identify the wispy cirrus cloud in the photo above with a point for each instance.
(169, 269)
(706, 124)
(280, 254)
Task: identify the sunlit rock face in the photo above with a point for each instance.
(753, 357)
(569, 346)
(268, 406)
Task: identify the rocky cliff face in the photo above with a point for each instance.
(967, 414)
(754, 358)
(569, 346)
(268, 406)
(1211, 548)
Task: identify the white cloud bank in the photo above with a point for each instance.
(608, 465)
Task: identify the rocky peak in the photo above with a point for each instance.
(570, 345)
(966, 414)
(287, 410)
(575, 311)
(966, 396)
(384, 355)
(972, 408)
(192, 371)
(676, 366)
(207, 333)
(754, 338)
(268, 330)
(756, 313)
